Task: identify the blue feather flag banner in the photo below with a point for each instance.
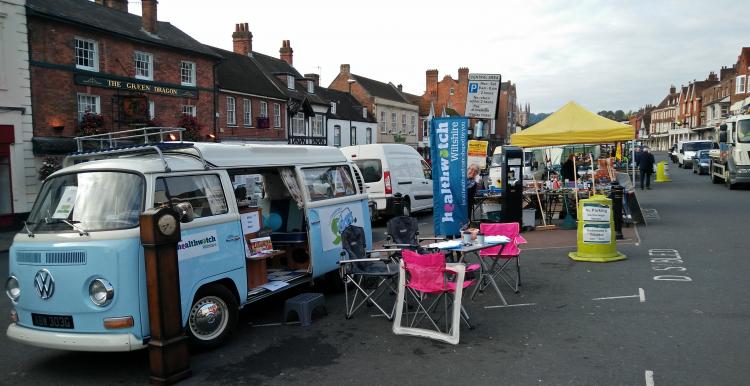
(448, 151)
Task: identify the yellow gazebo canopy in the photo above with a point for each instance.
(573, 124)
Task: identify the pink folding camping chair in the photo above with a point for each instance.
(501, 257)
(426, 281)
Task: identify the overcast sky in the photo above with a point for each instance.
(606, 55)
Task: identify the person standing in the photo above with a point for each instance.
(646, 167)
(568, 169)
(472, 174)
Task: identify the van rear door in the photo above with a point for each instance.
(332, 205)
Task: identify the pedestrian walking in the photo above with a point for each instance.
(646, 166)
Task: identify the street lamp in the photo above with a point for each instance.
(350, 81)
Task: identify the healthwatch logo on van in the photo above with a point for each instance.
(198, 244)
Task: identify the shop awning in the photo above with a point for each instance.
(573, 124)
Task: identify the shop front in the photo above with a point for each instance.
(6, 185)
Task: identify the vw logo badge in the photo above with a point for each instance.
(44, 283)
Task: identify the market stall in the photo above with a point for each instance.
(573, 125)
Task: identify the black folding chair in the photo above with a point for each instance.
(369, 277)
(403, 232)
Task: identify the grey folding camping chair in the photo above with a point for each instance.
(369, 278)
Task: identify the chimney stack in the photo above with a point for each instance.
(463, 75)
(315, 78)
(672, 89)
(432, 80)
(400, 87)
(242, 39)
(285, 52)
(345, 69)
(712, 76)
(148, 11)
(120, 5)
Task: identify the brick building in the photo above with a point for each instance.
(741, 93)
(251, 107)
(663, 121)
(396, 115)
(507, 117)
(89, 57)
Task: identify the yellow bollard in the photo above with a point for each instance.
(662, 172)
(596, 236)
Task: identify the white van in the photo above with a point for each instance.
(389, 169)
(686, 151)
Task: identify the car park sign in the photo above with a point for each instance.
(481, 98)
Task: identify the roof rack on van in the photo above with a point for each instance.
(133, 141)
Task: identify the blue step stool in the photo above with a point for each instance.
(303, 305)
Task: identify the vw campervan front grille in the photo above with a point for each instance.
(66, 258)
(28, 257)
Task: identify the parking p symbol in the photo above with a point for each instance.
(473, 88)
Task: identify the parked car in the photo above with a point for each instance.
(390, 170)
(700, 162)
(686, 151)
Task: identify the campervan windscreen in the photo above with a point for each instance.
(90, 201)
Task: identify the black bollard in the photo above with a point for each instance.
(616, 196)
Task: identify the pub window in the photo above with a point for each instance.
(353, 135)
(188, 110)
(88, 104)
(187, 73)
(333, 107)
(276, 115)
(248, 112)
(393, 121)
(151, 110)
(383, 122)
(87, 54)
(263, 109)
(368, 135)
(144, 65)
(230, 111)
(403, 123)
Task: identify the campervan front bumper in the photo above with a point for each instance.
(74, 342)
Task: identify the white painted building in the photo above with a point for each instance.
(348, 122)
(19, 181)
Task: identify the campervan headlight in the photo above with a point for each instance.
(101, 292)
(12, 288)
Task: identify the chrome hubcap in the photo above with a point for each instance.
(208, 317)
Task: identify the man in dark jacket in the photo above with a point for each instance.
(646, 167)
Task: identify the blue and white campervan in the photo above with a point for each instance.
(77, 275)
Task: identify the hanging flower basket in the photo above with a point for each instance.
(192, 128)
(49, 166)
(91, 123)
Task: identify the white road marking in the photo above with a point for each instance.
(272, 324)
(511, 305)
(641, 295)
(649, 378)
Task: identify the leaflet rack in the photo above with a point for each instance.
(134, 141)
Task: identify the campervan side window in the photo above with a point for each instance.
(203, 192)
(329, 182)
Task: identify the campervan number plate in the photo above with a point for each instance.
(52, 321)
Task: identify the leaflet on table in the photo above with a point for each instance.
(446, 244)
(496, 239)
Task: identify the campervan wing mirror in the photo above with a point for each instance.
(185, 211)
